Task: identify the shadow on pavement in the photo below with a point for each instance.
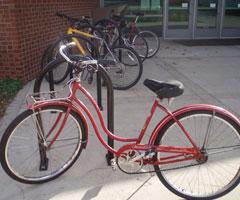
(212, 42)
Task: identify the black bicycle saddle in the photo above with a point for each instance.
(165, 89)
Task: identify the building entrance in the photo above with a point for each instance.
(196, 19)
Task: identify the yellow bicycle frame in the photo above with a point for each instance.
(79, 46)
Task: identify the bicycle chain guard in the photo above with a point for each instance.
(130, 161)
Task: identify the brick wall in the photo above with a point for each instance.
(27, 27)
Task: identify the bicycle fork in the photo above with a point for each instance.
(42, 136)
(42, 143)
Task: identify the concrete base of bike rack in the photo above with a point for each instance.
(210, 75)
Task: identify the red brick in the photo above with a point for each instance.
(27, 27)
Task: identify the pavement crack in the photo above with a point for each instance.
(139, 187)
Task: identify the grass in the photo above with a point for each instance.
(8, 90)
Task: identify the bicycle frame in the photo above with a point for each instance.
(178, 153)
(81, 49)
(133, 28)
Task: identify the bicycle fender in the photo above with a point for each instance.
(66, 104)
(192, 107)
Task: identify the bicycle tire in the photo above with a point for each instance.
(153, 42)
(140, 45)
(19, 128)
(60, 73)
(110, 30)
(51, 53)
(117, 71)
(45, 56)
(39, 81)
(195, 180)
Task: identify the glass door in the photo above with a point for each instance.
(178, 19)
(231, 19)
(152, 9)
(208, 18)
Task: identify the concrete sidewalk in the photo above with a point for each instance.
(210, 74)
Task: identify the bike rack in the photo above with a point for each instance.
(110, 106)
(110, 110)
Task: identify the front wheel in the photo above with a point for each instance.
(127, 70)
(219, 170)
(22, 154)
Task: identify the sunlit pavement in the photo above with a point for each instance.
(210, 74)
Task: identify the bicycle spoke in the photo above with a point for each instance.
(220, 168)
(22, 150)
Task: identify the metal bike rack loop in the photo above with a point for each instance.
(110, 111)
(110, 99)
(110, 107)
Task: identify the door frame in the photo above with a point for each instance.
(209, 33)
(193, 32)
(228, 32)
(178, 33)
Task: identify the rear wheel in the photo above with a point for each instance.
(127, 70)
(60, 72)
(42, 87)
(219, 170)
(23, 156)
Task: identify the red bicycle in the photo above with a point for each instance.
(193, 150)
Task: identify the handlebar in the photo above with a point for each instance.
(85, 62)
(72, 20)
(63, 47)
(121, 19)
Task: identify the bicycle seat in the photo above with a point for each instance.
(165, 89)
(140, 14)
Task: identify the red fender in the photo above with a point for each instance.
(66, 104)
(193, 107)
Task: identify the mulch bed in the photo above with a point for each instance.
(8, 90)
(3, 105)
